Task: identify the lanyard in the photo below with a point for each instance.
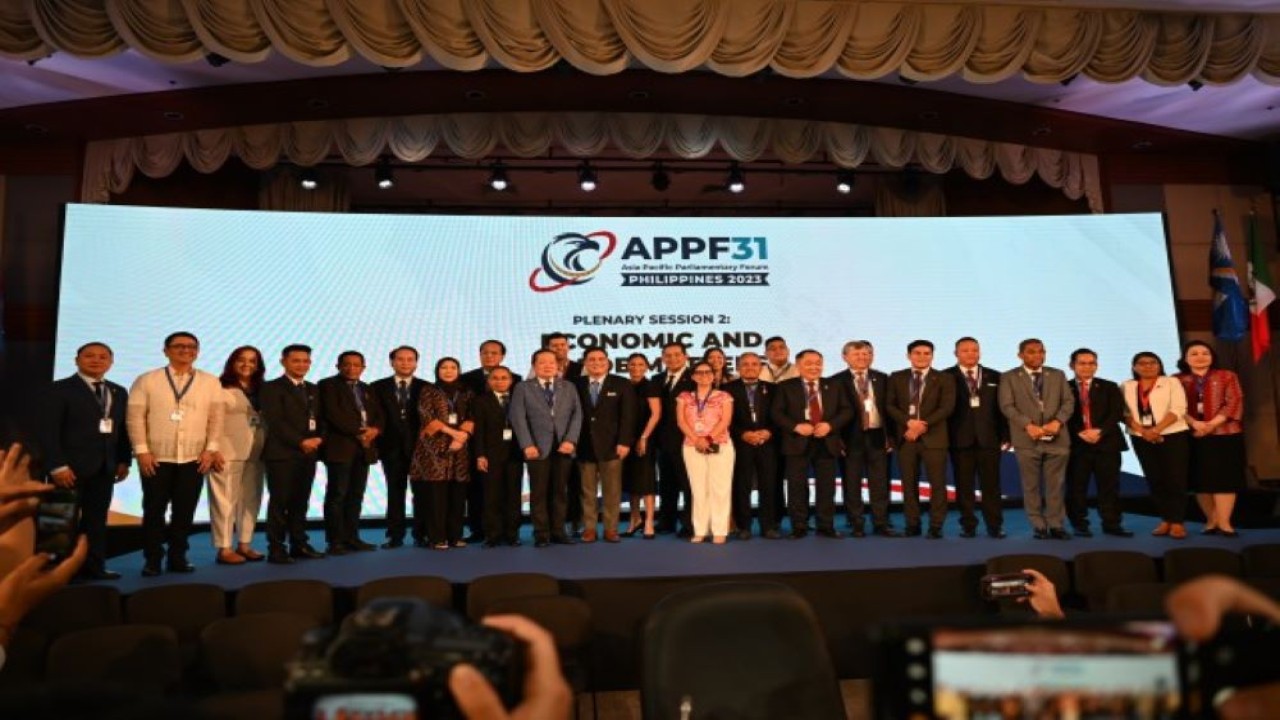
(702, 404)
(177, 396)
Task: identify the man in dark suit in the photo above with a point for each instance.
(398, 396)
(86, 447)
(920, 401)
(868, 439)
(755, 459)
(1096, 444)
(810, 413)
(979, 433)
(608, 432)
(492, 354)
(499, 459)
(566, 369)
(292, 410)
(352, 422)
(547, 420)
(673, 480)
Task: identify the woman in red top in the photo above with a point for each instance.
(1215, 408)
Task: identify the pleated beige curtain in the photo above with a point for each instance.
(281, 191)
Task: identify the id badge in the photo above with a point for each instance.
(105, 426)
(698, 427)
(1200, 409)
(176, 416)
(452, 419)
(311, 425)
(975, 401)
(911, 409)
(753, 416)
(868, 405)
(1147, 420)
(506, 433)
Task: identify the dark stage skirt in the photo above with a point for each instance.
(1217, 464)
(639, 474)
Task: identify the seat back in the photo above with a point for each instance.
(142, 658)
(311, 598)
(1261, 561)
(568, 619)
(74, 608)
(1098, 571)
(1183, 564)
(433, 590)
(489, 588)
(187, 608)
(249, 652)
(1138, 598)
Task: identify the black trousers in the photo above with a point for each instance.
(95, 502)
(343, 500)
(824, 475)
(978, 468)
(174, 490)
(755, 465)
(867, 458)
(444, 518)
(396, 467)
(1166, 466)
(911, 456)
(502, 498)
(673, 482)
(476, 495)
(1104, 467)
(548, 494)
(289, 494)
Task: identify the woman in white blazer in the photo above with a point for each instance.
(1155, 406)
(235, 485)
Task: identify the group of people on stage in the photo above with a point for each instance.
(694, 431)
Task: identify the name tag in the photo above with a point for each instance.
(975, 401)
(753, 415)
(1200, 409)
(311, 425)
(176, 416)
(1147, 419)
(105, 426)
(506, 433)
(806, 414)
(911, 409)
(869, 405)
(452, 419)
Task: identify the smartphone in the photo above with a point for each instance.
(57, 523)
(1005, 585)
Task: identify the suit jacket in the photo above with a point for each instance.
(490, 420)
(1019, 405)
(743, 419)
(937, 402)
(612, 422)
(342, 420)
(984, 426)
(879, 381)
(478, 382)
(1106, 411)
(534, 422)
(399, 430)
(668, 431)
(790, 401)
(69, 429)
(288, 412)
(572, 371)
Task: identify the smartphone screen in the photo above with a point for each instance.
(57, 520)
(1047, 671)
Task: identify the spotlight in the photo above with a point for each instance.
(309, 180)
(845, 180)
(661, 180)
(1195, 85)
(498, 177)
(735, 183)
(586, 177)
(382, 174)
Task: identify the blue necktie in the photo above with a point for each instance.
(595, 393)
(549, 393)
(1037, 381)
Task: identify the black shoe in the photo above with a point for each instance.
(997, 534)
(392, 544)
(361, 546)
(1229, 533)
(830, 533)
(1082, 531)
(475, 537)
(513, 541)
(540, 543)
(421, 543)
(336, 549)
(685, 533)
(1041, 534)
(562, 540)
(798, 534)
(912, 531)
(1117, 532)
(885, 531)
(1058, 534)
(490, 544)
(664, 529)
(180, 565)
(306, 552)
(772, 534)
(151, 569)
(935, 533)
(744, 534)
(968, 533)
(95, 575)
(279, 557)
(1211, 531)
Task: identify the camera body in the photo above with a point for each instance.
(392, 659)
(1005, 585)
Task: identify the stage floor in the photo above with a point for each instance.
(669, 557)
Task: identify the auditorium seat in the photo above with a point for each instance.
(248, 652)
(1138, 598)
(489, 588)
(433, 590)
(78, 607)
(736, 649)
(1262, 561)
(187, 608)
(311, 598)
(568, 619)
(255, 704)
(1183, 564)
(25, 658)
(140, 658)
(1098, 571)
(1050, 566)
(1269, 586)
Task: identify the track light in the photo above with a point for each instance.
(660, 180)
(382, 174)
(309, 180)
(586, 177)
(498, 177)
(845, 180)
(735, 183)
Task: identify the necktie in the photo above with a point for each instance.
(917, 388)
(671, 380)
(549, 393)
(972, 380)
(1084, 405)
(595, 393)
(1037, 382)
(503, 400)
(100, 392)
(358, 394)
(864, 393)
(402, 393)
(815, 407)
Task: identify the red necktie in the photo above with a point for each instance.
(1084, 405)
(815, 409)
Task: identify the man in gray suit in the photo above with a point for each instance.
(547, 417)
(1037, 401)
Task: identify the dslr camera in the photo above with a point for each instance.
(392, 659)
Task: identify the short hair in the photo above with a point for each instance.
(350, 353)
(1081, 351)
(95, 343)
(392, 355)
(503, 368)
(640, 355)
(296, 347)
(230, 379)
(546, 339)
(774, 339)
(1144, 355)
(533, 359)
(502, 347)
(675, 343)
(1182, 361)
(966, 339)
(857, 345)
(807, 351)
(168, 340)
(748, 354)
(919, 343)
(1029, 341)
(600, 350)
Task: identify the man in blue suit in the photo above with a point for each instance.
(547, 417)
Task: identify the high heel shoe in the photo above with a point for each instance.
(632, 531)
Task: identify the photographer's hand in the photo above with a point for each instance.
(1044, 596)
(546, 693)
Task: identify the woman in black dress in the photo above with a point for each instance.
(639, 469)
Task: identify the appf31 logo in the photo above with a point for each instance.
(572, 259)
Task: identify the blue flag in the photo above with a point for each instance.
(1230, 311)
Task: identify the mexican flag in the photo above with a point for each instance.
(1261, 293)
